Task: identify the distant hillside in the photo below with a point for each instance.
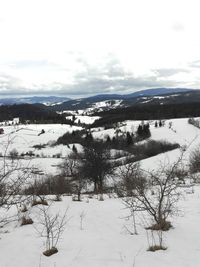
(48, 100)
(109, 101)
(148, 112)
(33, 113)
(158, 91)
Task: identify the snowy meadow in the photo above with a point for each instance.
(116, 231)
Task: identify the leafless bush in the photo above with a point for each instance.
(194, 161)
(51, 227)
(52, 184)
(13, 177)
(71, 170)
(136, 189)
(13, 154)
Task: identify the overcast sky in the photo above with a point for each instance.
(86, 47)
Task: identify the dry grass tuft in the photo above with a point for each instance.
(39, 202)
(50, 252)
(26, 221)
(156, 247)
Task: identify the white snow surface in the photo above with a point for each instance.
(85, 119)
(24, 137)
(103, 241)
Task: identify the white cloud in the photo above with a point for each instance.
(48, 42)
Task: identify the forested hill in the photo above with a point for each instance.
(148, 112)
(33, 113)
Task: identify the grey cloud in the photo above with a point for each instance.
(9, 84)
(195, 64)
(110, 68)
(121, 85)
(167, 72)
(109, 77)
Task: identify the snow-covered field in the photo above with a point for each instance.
(104, 240)
(84, 119)
(25, 137)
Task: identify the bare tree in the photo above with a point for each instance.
(13, 177)
(194, 161)
(51, 227)
(71, 169)
(128, 173)
(13, 154)
(12, 180)
(154, 192)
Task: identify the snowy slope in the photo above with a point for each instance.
(23, 138)
(84, 119)
(104, 240)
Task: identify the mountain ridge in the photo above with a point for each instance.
(126, 99)
(49, 100)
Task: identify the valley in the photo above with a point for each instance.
(47, 161)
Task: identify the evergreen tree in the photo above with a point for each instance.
(129, 139)
(74, 149)
(96, 165)
(139, 130)
(108, 140)
(146, 131)
(88, 138)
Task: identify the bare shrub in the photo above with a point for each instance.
(194, 161)
(71, 170)
(51, 227)
(136, 188)
(14, 175)
(13, 154)
(56, 185)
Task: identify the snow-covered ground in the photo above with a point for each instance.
(104, 240)
(174, 131)
(24, 137)
(180, 131)
(84, 119)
